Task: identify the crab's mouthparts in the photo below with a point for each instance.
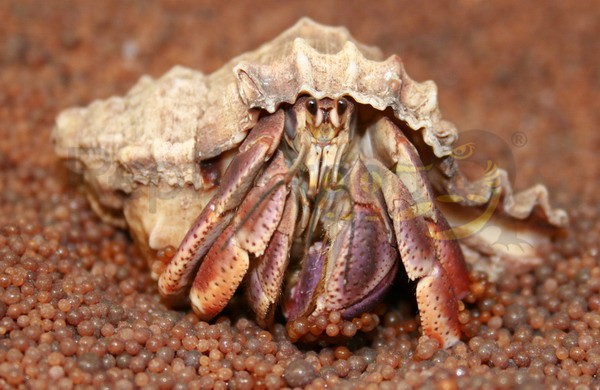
(323, 133)
(322, 163)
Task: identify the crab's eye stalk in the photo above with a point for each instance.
(312, 107)
(342, 106)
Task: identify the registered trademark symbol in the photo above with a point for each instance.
(519, 139)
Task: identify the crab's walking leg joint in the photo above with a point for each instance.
(258, 147)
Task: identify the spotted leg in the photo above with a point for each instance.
(392, 145)
(250, 234)
(266, 278)
(428, 251)
(258, 147)
(436, 299)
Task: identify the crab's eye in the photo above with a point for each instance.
(312, 106)
(342, 106)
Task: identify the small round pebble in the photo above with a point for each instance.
(299, 373)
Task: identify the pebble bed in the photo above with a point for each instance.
(78, 308)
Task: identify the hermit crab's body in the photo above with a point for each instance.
(358, 219)
(309, 170)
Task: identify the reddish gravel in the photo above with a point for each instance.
(78, 307)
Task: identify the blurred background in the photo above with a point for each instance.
(500, 66)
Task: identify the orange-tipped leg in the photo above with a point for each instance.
(227, 261)
(219, 276)
(391, 144)
(438, 307)
(218, 213)
(266, 278)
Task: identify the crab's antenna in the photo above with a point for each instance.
(352, 220)
(297, 162)
(351, 214)
(319, 208)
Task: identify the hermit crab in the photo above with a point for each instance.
(309, 171)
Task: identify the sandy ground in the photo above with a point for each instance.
(528, 73)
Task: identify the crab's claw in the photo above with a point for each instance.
(352, 274)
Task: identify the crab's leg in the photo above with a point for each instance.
(265, 279)
(258, 147)
(227, 261)
(436, 299)
(434, 259)
(390, 144)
